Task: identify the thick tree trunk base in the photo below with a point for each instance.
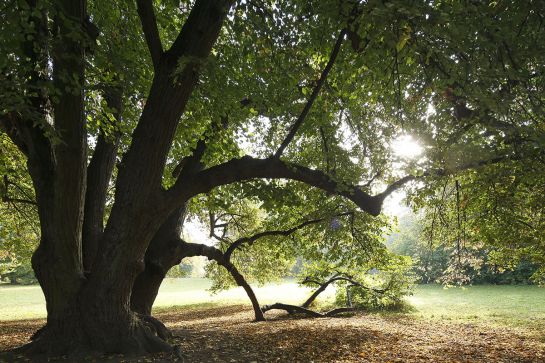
(145, 335)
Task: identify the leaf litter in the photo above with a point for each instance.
(228, 334)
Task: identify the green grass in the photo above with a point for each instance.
(21, 302)
(27, 302)
(518, 306)
(191, 291)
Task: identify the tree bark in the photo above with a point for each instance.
(99, 173)
(58, 172)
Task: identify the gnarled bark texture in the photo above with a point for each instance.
(91, 312)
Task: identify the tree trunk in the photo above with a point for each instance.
(145, 289)
(139, 209)
(58, 173)
(162, 254)
(87, 328)
(99, 173)
(92, 312)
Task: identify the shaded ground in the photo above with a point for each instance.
(226, 334)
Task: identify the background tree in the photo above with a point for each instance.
(19, 226)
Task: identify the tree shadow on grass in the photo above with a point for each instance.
(269, 342)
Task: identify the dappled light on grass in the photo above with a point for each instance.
(179, 292)
(514, 306)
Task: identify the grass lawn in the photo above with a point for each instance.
(27, 302)
(516, 306)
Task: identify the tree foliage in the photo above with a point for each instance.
(19, 226)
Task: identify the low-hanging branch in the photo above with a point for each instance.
(186, 249)
(293, 309)
(250, 240)
(304, 308)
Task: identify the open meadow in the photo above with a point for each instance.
(477, 323)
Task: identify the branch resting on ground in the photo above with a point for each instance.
(303, 309)
(292, 309)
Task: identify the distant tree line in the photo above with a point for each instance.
(437, 261)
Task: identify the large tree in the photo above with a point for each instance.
(319, 89)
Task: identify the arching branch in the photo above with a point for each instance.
(250, 240)
(303, 308)
(185, 249)
(215, 254)
(247, 168)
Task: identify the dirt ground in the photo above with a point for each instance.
(227, 334)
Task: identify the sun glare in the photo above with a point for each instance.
(406, 147)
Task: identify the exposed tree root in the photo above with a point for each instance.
(160, 329)
(148, 335)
